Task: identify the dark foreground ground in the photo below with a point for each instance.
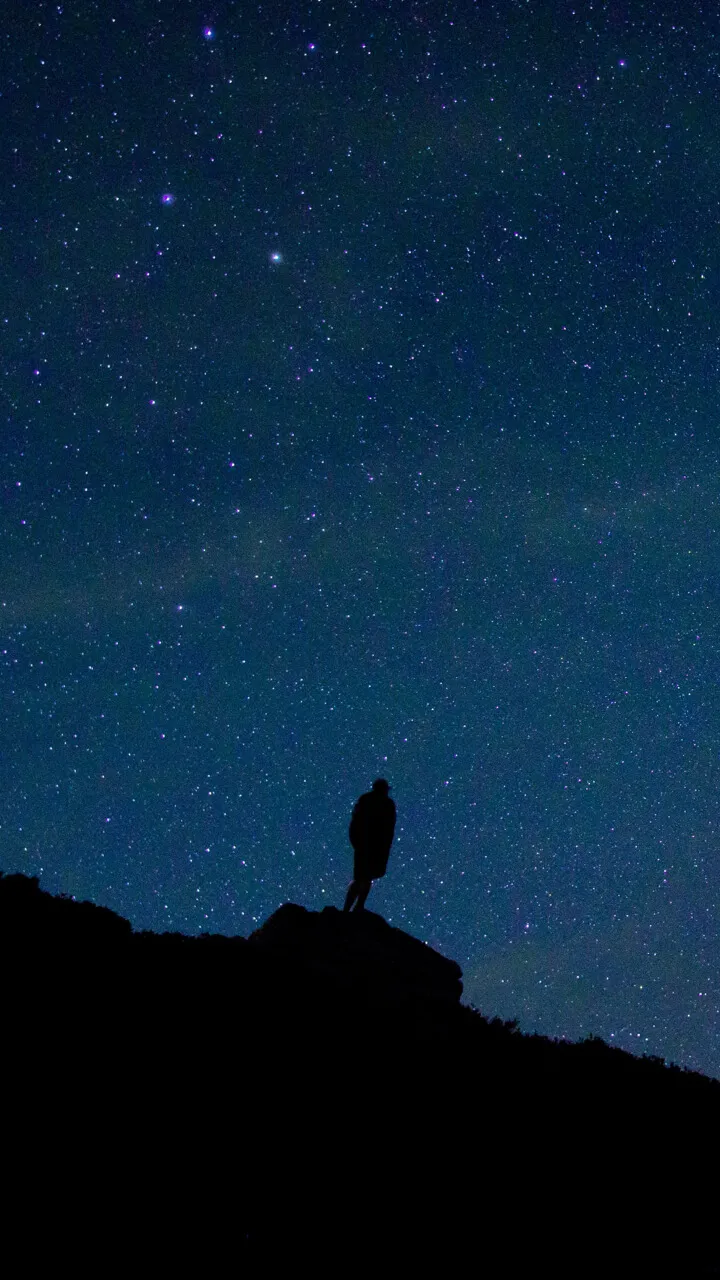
(316, 1096)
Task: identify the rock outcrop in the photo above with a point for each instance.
(317, 1097)
(359, 954)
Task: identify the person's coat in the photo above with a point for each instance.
(372, 828)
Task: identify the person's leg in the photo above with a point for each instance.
(364, 887)
(352, 894)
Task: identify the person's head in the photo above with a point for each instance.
(381, 785)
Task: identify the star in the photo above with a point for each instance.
(496, 598)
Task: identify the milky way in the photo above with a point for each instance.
(360, 385)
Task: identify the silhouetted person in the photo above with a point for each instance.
(372, 828)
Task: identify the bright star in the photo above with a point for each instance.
(167, 198)
(276, 258)
(208, 33)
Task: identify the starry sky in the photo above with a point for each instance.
(360, 370)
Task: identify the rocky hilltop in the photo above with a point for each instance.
(317, 1094)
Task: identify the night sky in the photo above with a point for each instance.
(360, 371)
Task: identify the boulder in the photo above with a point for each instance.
(359, 952)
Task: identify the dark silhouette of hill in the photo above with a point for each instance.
(317, 1094)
